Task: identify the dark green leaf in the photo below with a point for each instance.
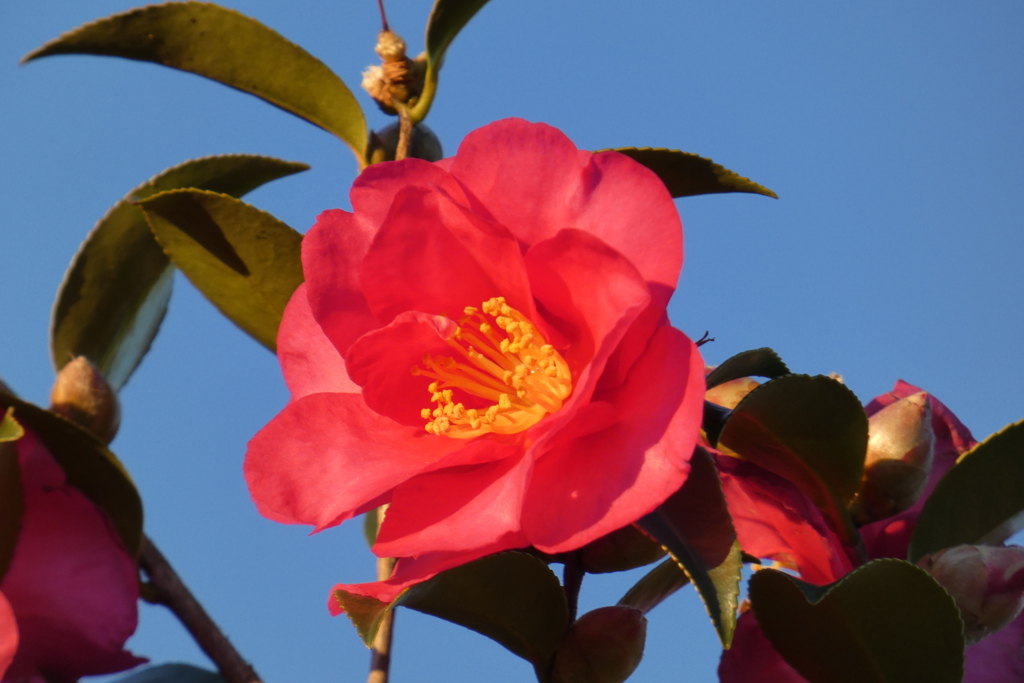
(621, 550)
(686, 174)
(371, 525)
(89, 466)
(887, 622)
(655, 586)
(228, 47)
(365, 613)
(171, 673)
(116, 290)
(10, 489)
(811, 431)
(696, 529)
(755, 363)
(980, 501)
(244, 260)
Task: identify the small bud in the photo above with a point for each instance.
(602, 646)
(82, 395)
(901, 445)
(390, 46)
(424, 144)
(986, 582)
(399, 79)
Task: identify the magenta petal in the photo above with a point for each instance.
(332, 252)
(375, 189)
(456, 509)
(999, 658)
(585, 486)
(752, 657)
(8, 635)
(325, 457)
(309, 361)
(434, 255)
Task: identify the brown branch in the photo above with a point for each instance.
(404, 133)
(166, 588)
(380, 658)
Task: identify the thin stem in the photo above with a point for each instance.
(380, 657)
(572, 580)
(383, 16)
(404, 133)
(166, 588)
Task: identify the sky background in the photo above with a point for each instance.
(890, 131)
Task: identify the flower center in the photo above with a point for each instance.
(503, 359)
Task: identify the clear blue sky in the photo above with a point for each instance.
(891, 132)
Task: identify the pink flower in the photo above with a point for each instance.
(483, 344)
(996, 659)
(68, 601)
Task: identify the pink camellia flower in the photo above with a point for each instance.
(483, 344)
(790, 529)
(68, 601)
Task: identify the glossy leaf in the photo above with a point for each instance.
(811, 431)
(755, 363)
(886, 622)
(244, 260)
(621, 550)
(89, 466)
(116, 290)
(980, 501)
(694, 526)
(171, 673)
(228, 47)
(686, 174)
(11, 506)
(657, 585)
(511, 597)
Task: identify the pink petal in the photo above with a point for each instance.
(72, 586)
(999, 658)
(410, 571)
(541, 183)
(8, 635)
(436, 256)
(457, 509)
(332, 252)
(586, 485)
(327, 457)
(775, 520)
(752, 657)
(310, 362)
(382, 361)
(374, 191)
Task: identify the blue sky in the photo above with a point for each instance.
(891, 132)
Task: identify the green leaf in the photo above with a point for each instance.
(811, 431)
(10, 489)
(511, 597)
(89, 466)
(757, 363)
(657, 585)
(228, 47)
(446, 19)
(686, 175)
(10, 430)
(886, 622)
(244, 260)
(980, 501)
(115, 292)
(695, 527)
(171, 673)
(621, 550)
(371, 525)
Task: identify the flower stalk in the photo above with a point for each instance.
(380, 657)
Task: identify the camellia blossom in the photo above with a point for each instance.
(482, 343)
(785, 526)
(69, 599)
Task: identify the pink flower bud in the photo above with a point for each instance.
(602, 646)
(82, 395)
(986, 582)
(901, 447)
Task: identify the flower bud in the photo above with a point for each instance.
(82, 395)
(398, 79)
(986, 582)
(901, 445)
(424, 144)
(602, 646)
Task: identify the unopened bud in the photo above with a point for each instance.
(602, 646)
(82, 395)
(986, 582)
(901, 447)
(390, 46)
(729, 394)
(424, 144)
(398, 79)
